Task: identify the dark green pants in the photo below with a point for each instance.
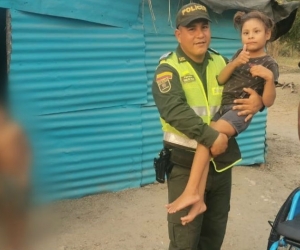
(206, 231)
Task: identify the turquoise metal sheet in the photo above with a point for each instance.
(152, 142)
(113, 13)
(86, 152)
(62, 65)
(252, 141)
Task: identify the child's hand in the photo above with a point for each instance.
(242, 58)
(261, 71)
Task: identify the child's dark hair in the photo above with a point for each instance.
(241, 17)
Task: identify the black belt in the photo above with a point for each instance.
(180, 155)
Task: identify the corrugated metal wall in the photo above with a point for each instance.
(83, 91)
(74, 62)
(89, 151)
(113, 13)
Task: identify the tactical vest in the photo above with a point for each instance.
(204, 105)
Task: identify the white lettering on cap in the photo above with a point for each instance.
(193, 8)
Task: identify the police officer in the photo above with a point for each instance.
(187, 95)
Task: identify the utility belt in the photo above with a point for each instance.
(176, 154)
(182, 157)
(185, 150)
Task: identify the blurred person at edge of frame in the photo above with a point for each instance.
(15, 160)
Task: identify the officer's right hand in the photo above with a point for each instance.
(219, 146)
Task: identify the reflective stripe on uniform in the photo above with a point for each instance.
(183, 141)
(214, 110)
(202, 111)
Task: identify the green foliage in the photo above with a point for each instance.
(292, 38)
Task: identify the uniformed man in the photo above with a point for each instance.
(187, 95)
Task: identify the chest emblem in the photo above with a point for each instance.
(188, 78)
(217, 90)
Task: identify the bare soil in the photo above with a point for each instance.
(136, 218)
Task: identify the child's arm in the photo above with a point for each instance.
(226, 72)
(241, 59)
(269, 94)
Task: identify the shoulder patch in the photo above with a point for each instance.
(163, 81)
(164, 56)
(181, 59)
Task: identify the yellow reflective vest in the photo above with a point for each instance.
(204, 105)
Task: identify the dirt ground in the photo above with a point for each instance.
(136, 218)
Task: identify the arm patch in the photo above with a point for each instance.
(163, 81)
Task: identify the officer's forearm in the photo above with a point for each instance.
(194, 128)
(208, 136)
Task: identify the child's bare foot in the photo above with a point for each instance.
(184, 200)
(197, 208)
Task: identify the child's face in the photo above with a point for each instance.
(255, 35)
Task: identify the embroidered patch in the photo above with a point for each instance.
(164, 86)
(217, 90)
(167, 75)
(188, 78)
(163, 81)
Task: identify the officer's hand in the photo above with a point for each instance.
(220, 145)
(249, 106)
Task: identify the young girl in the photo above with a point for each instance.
(250, 67)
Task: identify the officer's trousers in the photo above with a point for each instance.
(206, 231)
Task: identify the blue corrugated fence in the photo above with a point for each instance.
(83, 92)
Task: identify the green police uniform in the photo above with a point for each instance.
(181, 116)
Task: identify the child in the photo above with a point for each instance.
(250, 67)
(14, 184)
